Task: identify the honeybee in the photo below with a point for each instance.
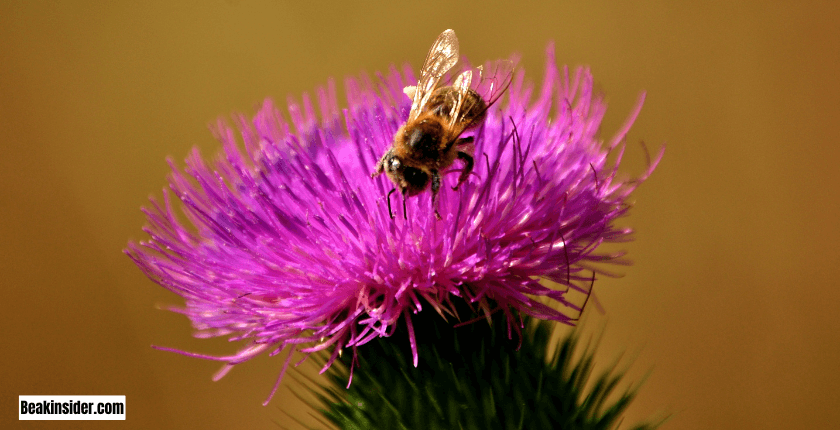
(430, 140)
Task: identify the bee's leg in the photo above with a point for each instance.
(465, 148)
(468, 167)
(380, 165)
(390, 212)
(435, 190)
(405, 212)
(466, 144)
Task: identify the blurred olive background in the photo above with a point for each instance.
(730, 306)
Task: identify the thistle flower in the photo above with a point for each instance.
(289, 245)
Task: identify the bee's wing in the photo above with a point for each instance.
(490, 87)
(494, 81)
(442, 56)
(462, 88)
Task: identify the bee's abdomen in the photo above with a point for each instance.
(472, 111)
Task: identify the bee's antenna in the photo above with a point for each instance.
(390, 212)
(405, 212)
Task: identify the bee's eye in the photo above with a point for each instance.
(394, 164)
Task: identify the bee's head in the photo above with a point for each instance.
(410, 180)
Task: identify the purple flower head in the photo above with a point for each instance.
(289, 244)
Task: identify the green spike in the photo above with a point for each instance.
(473, 377)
